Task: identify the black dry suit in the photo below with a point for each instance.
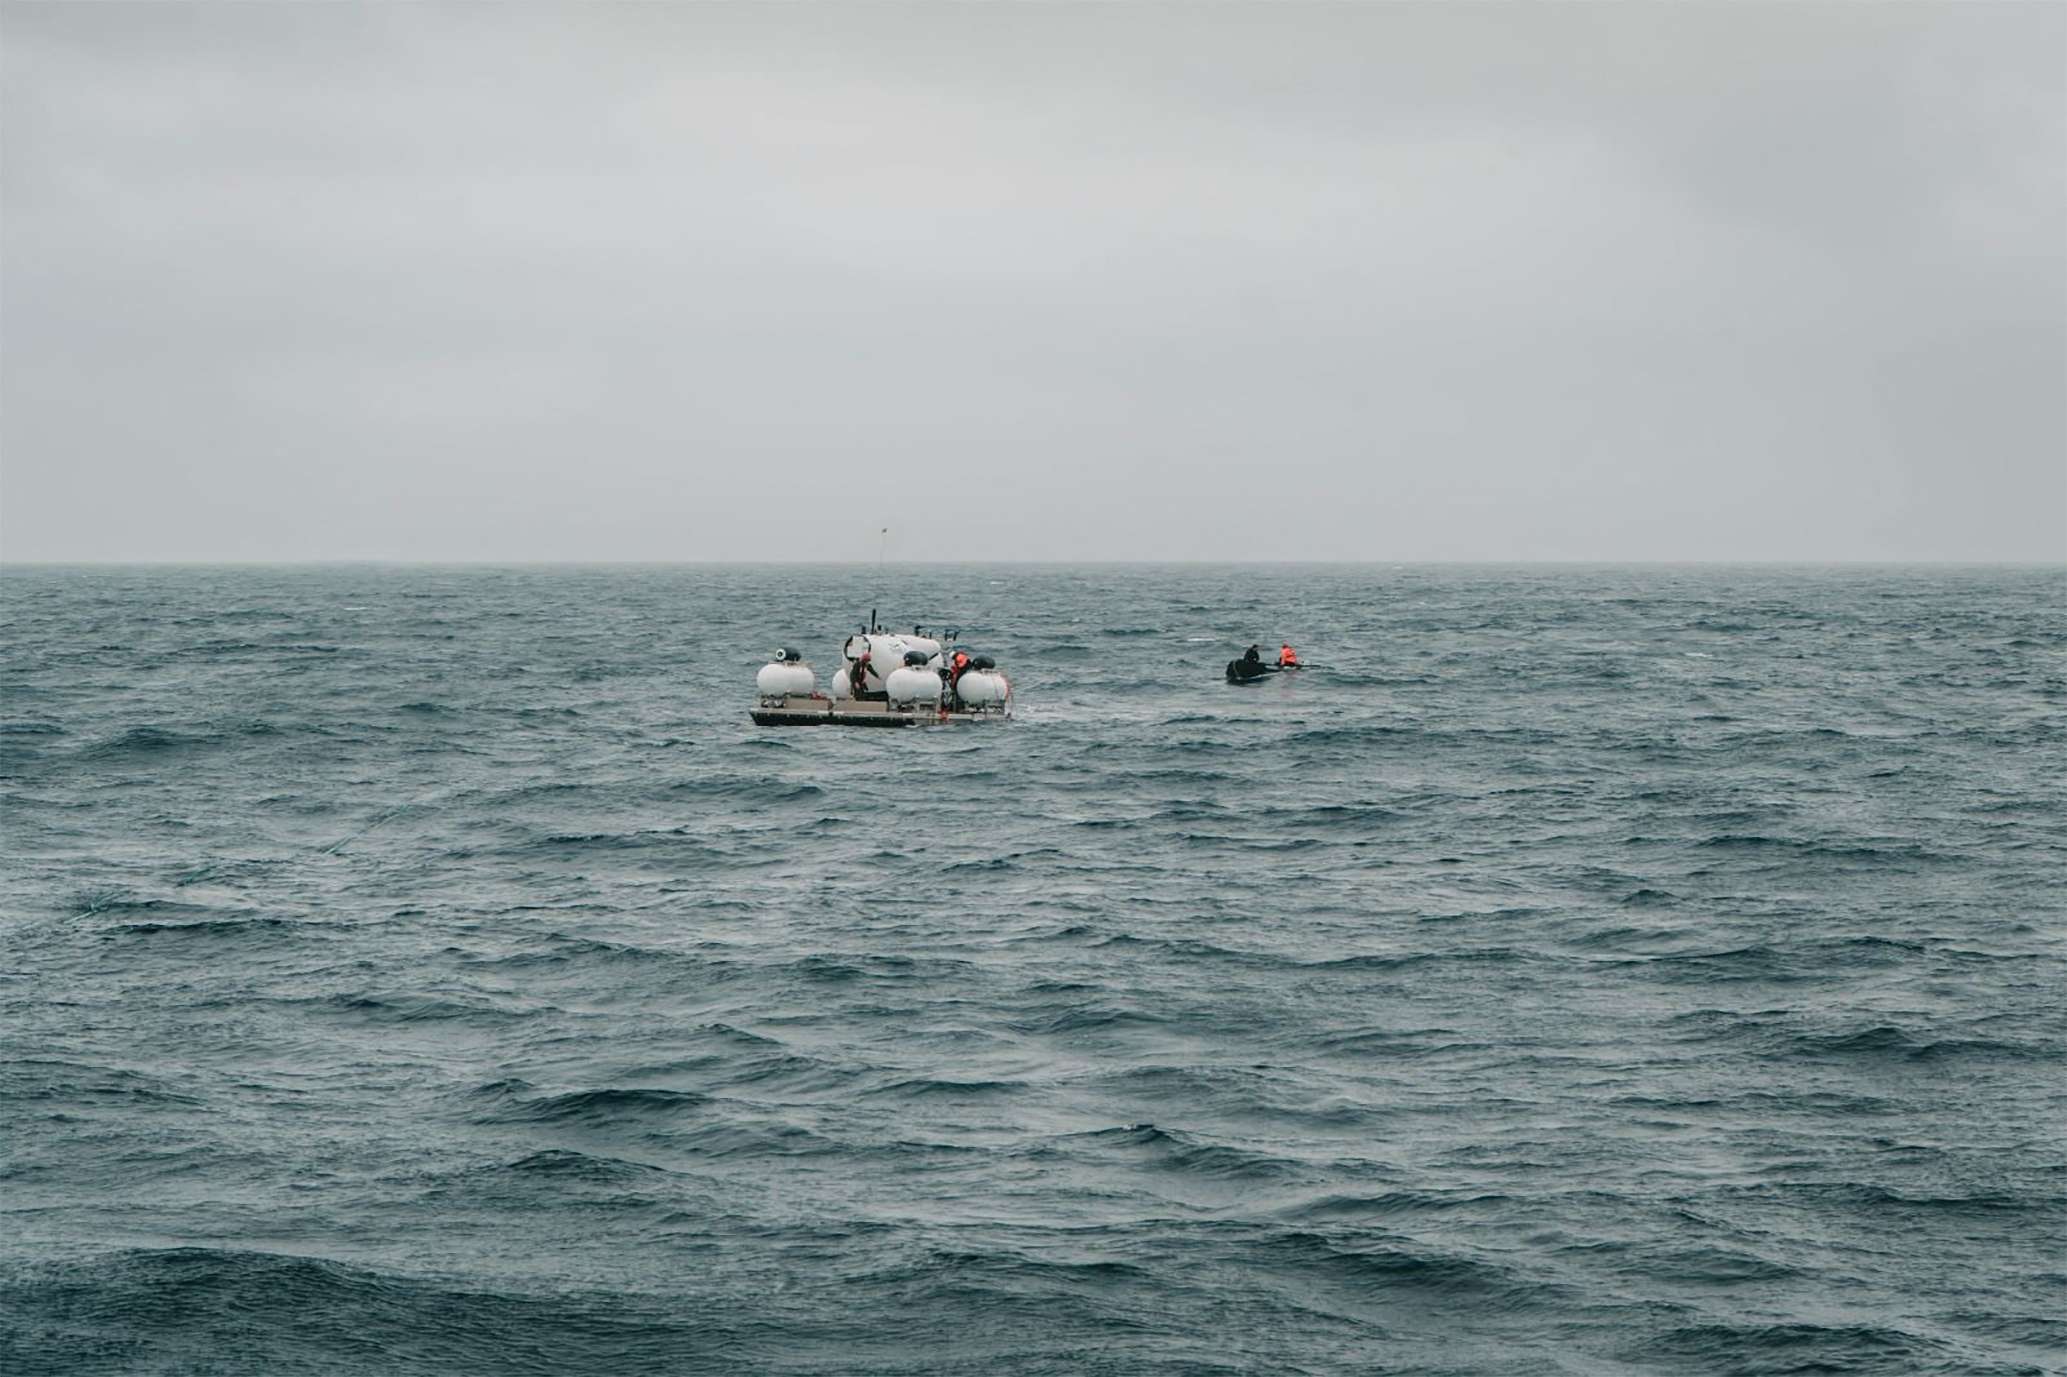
(1249, 667)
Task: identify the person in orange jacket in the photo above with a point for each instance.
(1287, 657)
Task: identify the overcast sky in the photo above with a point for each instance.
(1270, 281)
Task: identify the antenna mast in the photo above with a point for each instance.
(882, 546)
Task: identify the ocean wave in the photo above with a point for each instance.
(140, 741)
(563, 1164)
(1890, 850)
(564, 949)
(600, 1107)
(1403, 1274)
(1399, 1204)
(1189, 948)
(1788, 1347)
(23, 727)
(1885, 1041)
(1083, 1018)
(1171, 1152)
(50, 1081)
(1387, 961)
(929, 1087)
(186, 1309)
(1393, 1044)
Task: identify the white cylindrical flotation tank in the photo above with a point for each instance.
(983, 688)
(910, 684)
(786, 676)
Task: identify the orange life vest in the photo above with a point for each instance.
(1287, 655)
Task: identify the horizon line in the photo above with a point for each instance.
(417, 563)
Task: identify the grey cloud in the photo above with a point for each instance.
(1386, 282)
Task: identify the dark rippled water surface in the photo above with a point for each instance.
(1584, 970)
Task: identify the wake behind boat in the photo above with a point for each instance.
(885, 679)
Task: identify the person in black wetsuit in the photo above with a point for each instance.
(1250, 666)
(857, 677)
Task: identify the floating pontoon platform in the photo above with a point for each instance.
(796, 710)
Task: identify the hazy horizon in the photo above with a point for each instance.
(2056, 564)
(1295, 283)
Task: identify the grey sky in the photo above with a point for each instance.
(1033, 282)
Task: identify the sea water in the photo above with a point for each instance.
(1580, 970)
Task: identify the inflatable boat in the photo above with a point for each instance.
(1253, 671)
(884, 679)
